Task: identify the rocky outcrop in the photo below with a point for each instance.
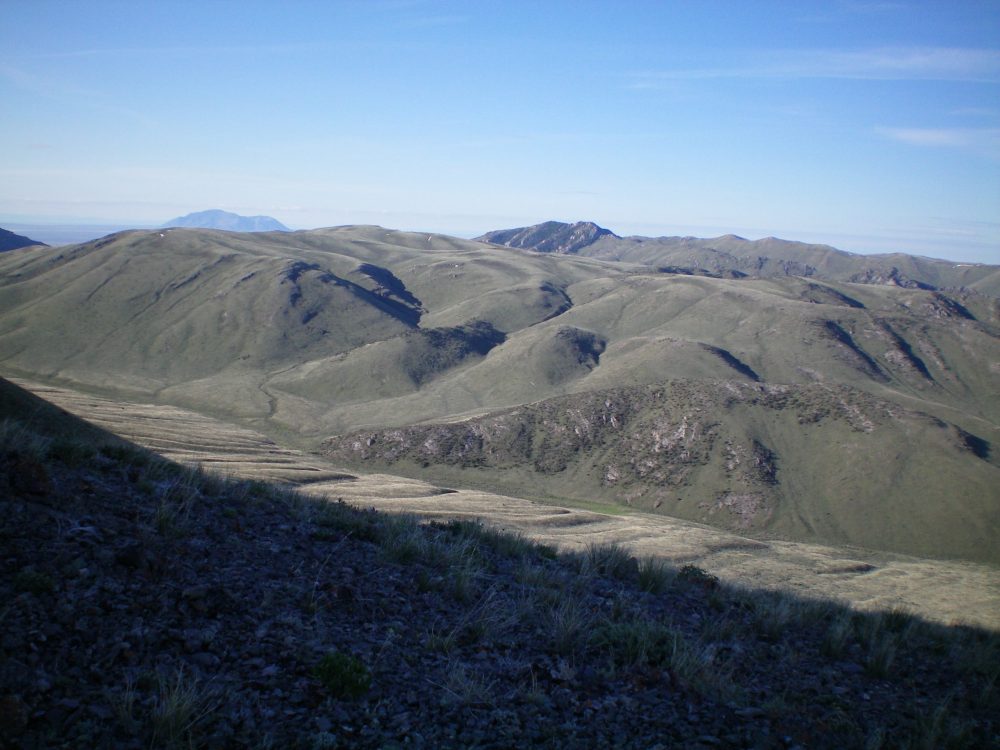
(550, 237)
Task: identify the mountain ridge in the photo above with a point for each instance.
(763, 258)
(11, 241)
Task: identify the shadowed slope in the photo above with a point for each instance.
(945, 591)
(147, 604)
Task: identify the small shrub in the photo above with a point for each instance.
(694, 575)
(503, 542)
(443, 641)
(338, 515)
(343, 675)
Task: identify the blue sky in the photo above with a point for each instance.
(872, 126)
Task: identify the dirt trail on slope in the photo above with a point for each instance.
(944, 591)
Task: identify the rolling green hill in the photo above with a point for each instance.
(308, 335)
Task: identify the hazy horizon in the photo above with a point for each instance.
(55, 233)
(869, 126)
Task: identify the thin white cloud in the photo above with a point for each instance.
(984, 141)
(889, 63)
(990, 112)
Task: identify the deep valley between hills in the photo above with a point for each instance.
(780, 415)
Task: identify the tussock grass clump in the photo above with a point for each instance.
(180, 704)
(503, 542)
(837, 636)
(939, 730)
(18, 437)
(655, 575)
(403, 541)
(881, 654)
(567, 623)
(178, 494)
(466, 687)
(350, 522)
(637, 643)
(485, 622)
(611, 560)
(773, 613)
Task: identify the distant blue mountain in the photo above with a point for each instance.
(11, 241)
(216, 219)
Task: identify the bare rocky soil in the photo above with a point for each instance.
(149, 605)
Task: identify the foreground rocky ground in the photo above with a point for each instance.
(149, 605)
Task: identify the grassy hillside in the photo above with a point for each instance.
(151, 605)
(819, 463)
(327, 332)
